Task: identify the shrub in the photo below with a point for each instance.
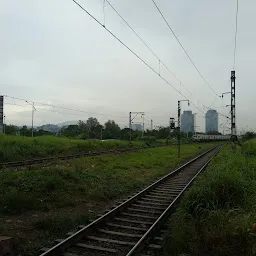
(217, 214)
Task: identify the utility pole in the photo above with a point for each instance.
(171, 126)
(151, 125)
(179, 129)
(179, 125)
(4, 124)
(143, 125)
(195, 123)
(233, 109)
(33, 110)
(130, 126)
(1, 113)
(130, 123)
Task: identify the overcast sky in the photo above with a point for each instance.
(53, 52)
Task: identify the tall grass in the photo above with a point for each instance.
(93, 178)
(13, 148)
(217, 214)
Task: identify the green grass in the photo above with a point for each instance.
(93, 178)
(218, 214)
(249, 147)
(14, 148)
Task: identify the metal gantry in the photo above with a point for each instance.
(130, 123)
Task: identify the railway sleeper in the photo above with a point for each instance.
(127, 227)
(145, 210)
(148, 206)
(151, 202)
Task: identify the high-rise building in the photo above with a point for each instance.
(211, 121)
(187, 121)
(137, 127)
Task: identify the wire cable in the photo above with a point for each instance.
(62, 112)
(183, 48)
(126, 46)
(237, 8)
(143, 41)
(109, 31)
(59, 107)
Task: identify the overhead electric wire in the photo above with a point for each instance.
(66, 113)
(237, 8)
(71, 109)
(183, 48)
(143, 41)
(109, 31)
(126, 46)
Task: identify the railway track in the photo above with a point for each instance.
(128, 228)
(54, 158)
(29, 162)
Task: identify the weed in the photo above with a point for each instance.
(14, 148)
(217, 214)
(92, 178)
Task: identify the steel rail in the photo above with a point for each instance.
(59, 249)
(47, 159)
(27, 162)
(164, 216)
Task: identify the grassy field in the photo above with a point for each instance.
(218, 214)
(14, 148)
(43, 199)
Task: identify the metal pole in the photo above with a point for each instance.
(151, 125)
(195, 123)
(4, 125)
(33, 109)
(233, 111)
(130, 126)
(178, 129)
(142, 135)
(1, 113)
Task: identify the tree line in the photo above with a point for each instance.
(92, 129)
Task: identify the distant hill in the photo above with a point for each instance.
(49, 128)
(67, 123)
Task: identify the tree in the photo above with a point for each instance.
(111, 130)
(71, 131)
(24, 131)
(92, 123)
(11, 129)
(125, 134)
(94, 128)
(82, 126)
(249, 135)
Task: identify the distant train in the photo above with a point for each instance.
(203, 137)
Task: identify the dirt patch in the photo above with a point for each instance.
(29, 230)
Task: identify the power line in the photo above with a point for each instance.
(59, 107)
(237, 8)
(152, 69)
(61, 112)
(133, 52)
(143, 41)
(126, 46)
(193, 63)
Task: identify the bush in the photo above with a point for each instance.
(217, 214)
